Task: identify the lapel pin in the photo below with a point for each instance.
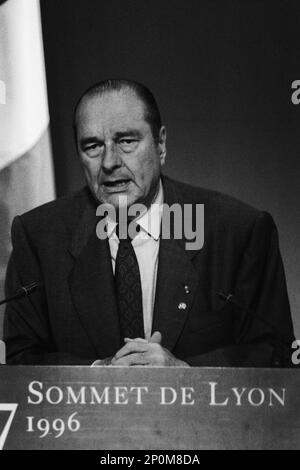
(182, 306)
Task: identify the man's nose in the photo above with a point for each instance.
(110, 158)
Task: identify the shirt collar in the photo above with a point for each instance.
(149, 222)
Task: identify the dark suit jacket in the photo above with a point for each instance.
(73, 318)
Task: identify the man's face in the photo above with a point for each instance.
(119, 154)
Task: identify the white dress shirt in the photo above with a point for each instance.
(146, 247)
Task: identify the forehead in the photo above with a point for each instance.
(112, 109)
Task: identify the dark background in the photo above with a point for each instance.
(222, 74)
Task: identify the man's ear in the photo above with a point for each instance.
(162, 144)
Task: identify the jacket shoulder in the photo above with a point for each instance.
(217, 205)
(58, 215)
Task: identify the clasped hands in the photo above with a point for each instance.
(142, 352)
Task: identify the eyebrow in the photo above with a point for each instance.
(118, 135)
(128, 132)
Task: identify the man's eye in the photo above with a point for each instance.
(128, 144)
(127, 141)
(92, 149)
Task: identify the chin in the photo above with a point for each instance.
(114, 200)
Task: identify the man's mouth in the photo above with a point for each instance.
(116, 185)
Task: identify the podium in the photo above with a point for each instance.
(111, 408)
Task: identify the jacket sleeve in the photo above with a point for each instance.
(263, 328)
(27, 331)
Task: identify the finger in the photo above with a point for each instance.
(156, 337)
(131, 347)
(135, 359)
(143, 340)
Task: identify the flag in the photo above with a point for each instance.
(26, 173)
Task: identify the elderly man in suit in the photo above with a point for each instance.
(146, 300)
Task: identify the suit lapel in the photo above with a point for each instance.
(92, 286)
(177, 280)
(175, 290)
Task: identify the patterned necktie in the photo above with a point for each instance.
(129, 291)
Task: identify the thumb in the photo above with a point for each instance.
(156, 337)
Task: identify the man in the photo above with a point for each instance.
(146, 300)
